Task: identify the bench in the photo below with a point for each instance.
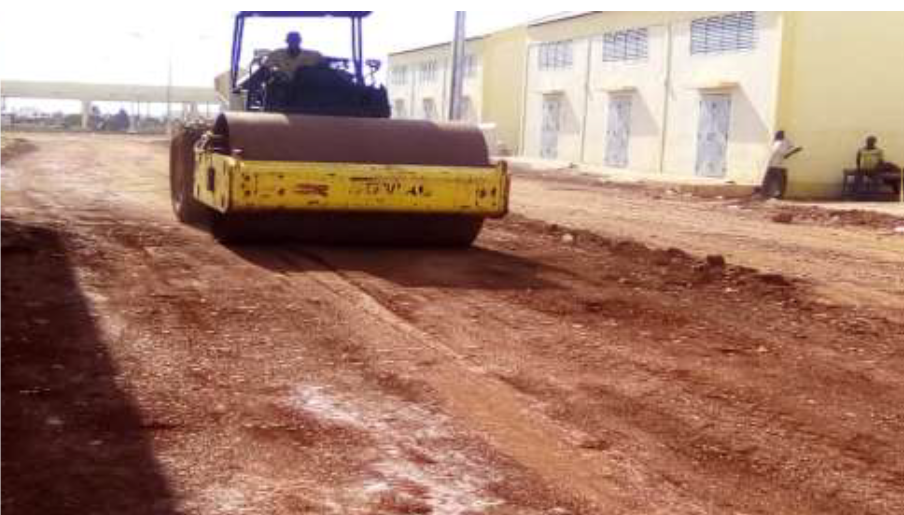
(872, 183)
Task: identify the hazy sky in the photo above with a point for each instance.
(121, 43)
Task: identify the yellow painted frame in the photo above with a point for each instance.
(229, 184)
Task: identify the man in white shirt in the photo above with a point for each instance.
(775, 180)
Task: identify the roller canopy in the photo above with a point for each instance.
(304, 14)
(323, 139)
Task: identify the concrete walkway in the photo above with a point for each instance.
(888, 208)
(700, 186)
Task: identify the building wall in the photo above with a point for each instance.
(751, 78)
(665, 91)
(642, 82)
(569, 85)
(842, 80)
(414, 91)
(589, 100)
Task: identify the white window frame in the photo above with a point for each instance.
(724, 33)
(626, 45)
(555, 55)
(428, 71)
(399, 75)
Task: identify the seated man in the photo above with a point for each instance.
(287, 61)
(870, 157)
(871, 163)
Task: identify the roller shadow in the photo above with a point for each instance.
(473, 268)
(72, 439)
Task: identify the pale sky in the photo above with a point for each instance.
(134, 44)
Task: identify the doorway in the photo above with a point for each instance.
(552, 122)
(712, 136)
(618, 132)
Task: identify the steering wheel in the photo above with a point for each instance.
(374, 65)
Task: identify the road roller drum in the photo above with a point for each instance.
(270, 177)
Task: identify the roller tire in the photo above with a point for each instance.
(359, 229)
(182, 164)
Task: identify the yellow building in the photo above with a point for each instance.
(690, 93)
(842, 79)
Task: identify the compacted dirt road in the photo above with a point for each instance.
(550, 370)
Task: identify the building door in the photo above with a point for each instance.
(552, 121)
(467, 110)
(618, 132)
(430, 109)
(712, 137)
(399, 110)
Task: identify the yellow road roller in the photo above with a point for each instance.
(311, 154)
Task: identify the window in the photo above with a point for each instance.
(399, 75)
(726, 33)
(428, 71)
(626, 45)
(555, 55)
(430, 109)
(399, 110)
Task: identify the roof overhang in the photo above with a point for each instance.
(472, 39)
(615, 89)
(560, 17)
(549, 91)
(714, 85)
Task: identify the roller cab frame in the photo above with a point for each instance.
(324, 159)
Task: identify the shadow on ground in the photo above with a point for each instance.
(473, 268)
(72, 438)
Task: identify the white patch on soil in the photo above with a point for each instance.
(415, 460)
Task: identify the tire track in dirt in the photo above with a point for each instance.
(507, 418)
(412, 461)
(239, 375)
(691, 414)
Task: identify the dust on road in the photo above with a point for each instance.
(148, 370)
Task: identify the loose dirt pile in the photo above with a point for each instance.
(837, 218)
(11, 147)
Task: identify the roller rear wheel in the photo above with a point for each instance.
(354, 229)
(182, 170)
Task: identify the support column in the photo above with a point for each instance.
(86, 114)
(135, 118)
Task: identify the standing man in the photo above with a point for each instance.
(775, 181)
